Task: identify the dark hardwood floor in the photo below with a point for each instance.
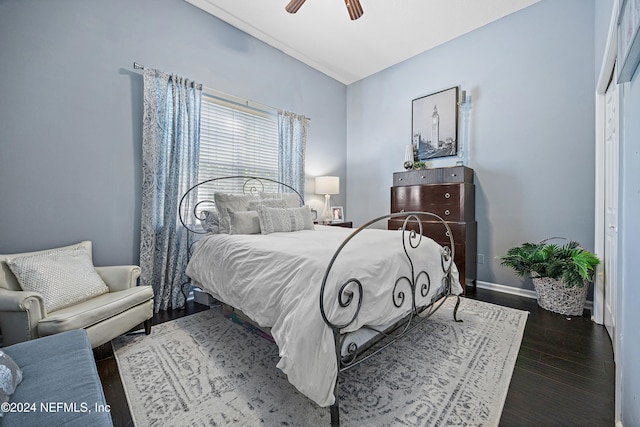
(564, 375)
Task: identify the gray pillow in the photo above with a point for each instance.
(10, 377)
(210, 222)
(270, 203)
(64, 277)
(236, 203)
(247, 222)
(244, 222)
(274, 220)
(292, 200)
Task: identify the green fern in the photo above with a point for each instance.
(570, 263)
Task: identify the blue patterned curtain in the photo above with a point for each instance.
(292, 135)
(170, 150)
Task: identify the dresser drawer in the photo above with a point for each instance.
(452, 202)
(435, 230)
(446, 212)
(433, 176)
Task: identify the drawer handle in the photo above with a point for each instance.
(401, 179)
(447, 195)
(447, 212)
(422, 177)
(401, 210)
(454, 174)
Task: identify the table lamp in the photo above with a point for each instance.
(327, 185)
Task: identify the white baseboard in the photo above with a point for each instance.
(527, 293)
(507, 289)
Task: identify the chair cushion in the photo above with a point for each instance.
(8, 279)
(59, 368)
(64, 277)
(95, 310)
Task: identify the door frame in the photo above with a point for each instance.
(606, 69)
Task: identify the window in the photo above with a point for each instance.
(236, 139)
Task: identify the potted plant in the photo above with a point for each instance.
(419, 165)
(561, 274)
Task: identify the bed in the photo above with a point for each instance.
(330, 297)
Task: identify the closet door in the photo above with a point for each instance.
(611, 209)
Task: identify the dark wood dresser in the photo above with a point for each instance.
(450, 194)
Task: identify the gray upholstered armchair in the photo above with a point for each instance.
(105, 314)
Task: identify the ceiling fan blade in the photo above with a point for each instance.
(354, 8)
(294, 5)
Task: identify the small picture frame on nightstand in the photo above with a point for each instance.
(337, 214)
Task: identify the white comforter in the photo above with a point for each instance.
(275, 279)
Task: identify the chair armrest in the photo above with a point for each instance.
(20, 312)
(119, 277)
(21, 301)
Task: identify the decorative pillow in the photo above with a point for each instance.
(274, 220)
(270, 203)
(209, 221)
(244, 222)
(247, 222)
(64, 276)
(291, 199)
(236, 203)
(10, 377)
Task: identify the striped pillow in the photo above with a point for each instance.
(274, 220)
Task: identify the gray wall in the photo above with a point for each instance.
(531, 76)
(71, 111)
(603, 11)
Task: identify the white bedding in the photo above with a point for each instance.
(275, 279)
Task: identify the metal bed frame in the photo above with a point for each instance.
(350, 296)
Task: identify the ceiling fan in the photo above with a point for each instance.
(353, 6)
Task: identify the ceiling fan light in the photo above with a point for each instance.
(354, 8)
(294, 5)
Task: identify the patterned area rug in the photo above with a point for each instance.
(206, 370)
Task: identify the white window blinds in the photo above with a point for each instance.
(236, 139)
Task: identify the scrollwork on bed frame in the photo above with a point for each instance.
(190, 217)
(251, 185)
(416, 281)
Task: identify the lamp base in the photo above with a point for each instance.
(326, 213)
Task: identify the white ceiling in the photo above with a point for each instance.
(322, 36)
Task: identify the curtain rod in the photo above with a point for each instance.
(214, 92)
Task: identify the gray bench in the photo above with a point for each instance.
(60, 383)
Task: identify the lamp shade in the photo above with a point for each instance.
(327, 185)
